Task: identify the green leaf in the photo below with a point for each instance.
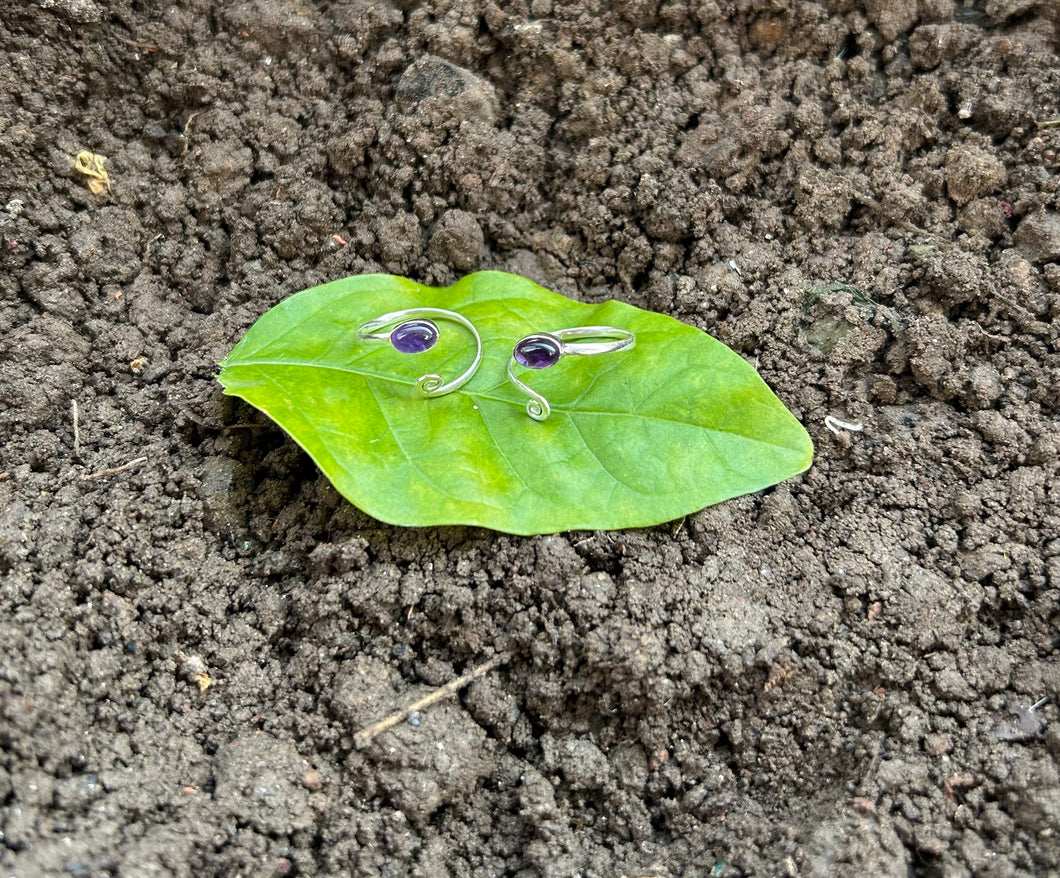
(635, 438)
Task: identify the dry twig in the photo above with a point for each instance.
(113, 471)
(77, 429)
(365, 735)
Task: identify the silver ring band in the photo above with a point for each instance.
(541, 350)
(431, 384)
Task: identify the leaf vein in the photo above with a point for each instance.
(603, 466)
(400, 446)
(527, 486)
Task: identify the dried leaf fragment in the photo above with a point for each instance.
(91, 164)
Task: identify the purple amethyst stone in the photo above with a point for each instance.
(537, 351)
(414, 336)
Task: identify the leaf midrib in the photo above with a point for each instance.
(477, 394)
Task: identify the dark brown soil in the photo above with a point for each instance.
(855, 673)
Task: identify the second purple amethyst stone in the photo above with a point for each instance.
(414, 336)
(537, 351)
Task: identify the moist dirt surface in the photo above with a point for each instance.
(856, 672)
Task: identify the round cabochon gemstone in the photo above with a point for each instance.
(414, 336)
(537, 352)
